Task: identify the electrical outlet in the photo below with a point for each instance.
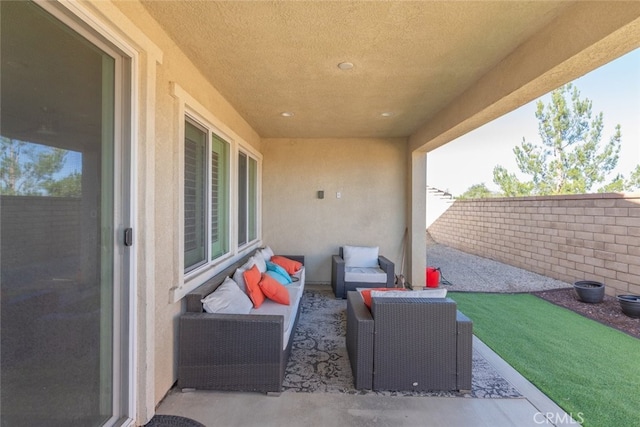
(338, 195)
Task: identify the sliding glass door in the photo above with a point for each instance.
(63, 203)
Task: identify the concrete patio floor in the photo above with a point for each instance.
(466, 272)
(213, 408)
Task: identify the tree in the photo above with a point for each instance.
(633, 183)
(28, 169)
(510, 184)
(571, 159)
(615, 186)
(477, 191)
(69, 186)
(620, 184)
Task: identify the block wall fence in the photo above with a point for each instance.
(569, 238)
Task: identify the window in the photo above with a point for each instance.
(195, 143)
(247, 198)
(206, 196)
(219, 197)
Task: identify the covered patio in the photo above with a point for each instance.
(471, 273)
(204, 130)
(347, 99)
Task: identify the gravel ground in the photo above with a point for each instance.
(466, 272)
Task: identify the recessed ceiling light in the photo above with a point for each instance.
(345, 65)
(286, 114)
(386, 114)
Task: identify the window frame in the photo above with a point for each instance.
(201, 200)
(210, 133)
(250, 194)
(188, 107)
(223, 241)
(113, 42)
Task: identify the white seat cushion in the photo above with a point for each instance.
(365, 275)
(287, 311)
(298, 278)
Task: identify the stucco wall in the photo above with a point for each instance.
(570, 238)
(158, 220)
(368, 174)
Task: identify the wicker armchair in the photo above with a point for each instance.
(415, 344)
(345, 278)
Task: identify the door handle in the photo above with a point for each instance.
(128, 236)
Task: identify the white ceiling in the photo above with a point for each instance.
(411, 59)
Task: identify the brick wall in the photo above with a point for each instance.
(570, 238)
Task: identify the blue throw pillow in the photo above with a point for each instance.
(281, 271)
(279, 277)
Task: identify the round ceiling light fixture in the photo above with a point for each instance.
(386, 114)
(345, 65)
(286, 114)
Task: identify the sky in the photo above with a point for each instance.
(614, 90)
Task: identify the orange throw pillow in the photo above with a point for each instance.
(366, 294)
(291, 266)
(252, 279)
(274, 290)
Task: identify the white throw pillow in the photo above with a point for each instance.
(239, 279)
(247, 265)
(260, 262)
(268, 253)
(263, 254)
(360, 256)
(227, 298)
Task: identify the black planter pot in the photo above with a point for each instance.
(630, 305)
(589, 291)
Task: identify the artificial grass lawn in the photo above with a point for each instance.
(590, 370)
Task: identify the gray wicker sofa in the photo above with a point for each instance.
(414, 344)
(234, 352)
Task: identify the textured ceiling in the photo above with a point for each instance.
(411, 59)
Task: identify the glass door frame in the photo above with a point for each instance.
(124, 385)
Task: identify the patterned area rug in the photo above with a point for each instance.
(319, 362)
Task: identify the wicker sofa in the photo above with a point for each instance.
(236, 352)
(415, 344)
